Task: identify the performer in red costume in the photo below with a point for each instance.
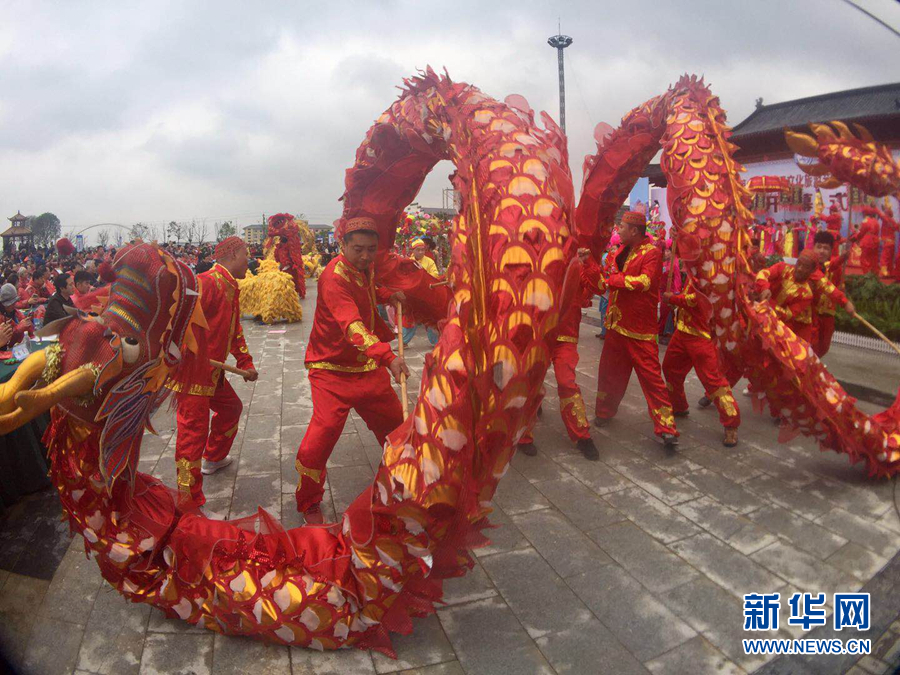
(631, 323)
(564, 354)
(889, 228)
(348, 359)
(868, 239)
(286, 263)
(202, 388)
(832, 266)
(796, 290)
(692, 347)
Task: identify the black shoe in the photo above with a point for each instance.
(601, 422)
(529, 449)
(670, 442)
(588, 449)
(704, 402)
(682, 413)
(540, 412)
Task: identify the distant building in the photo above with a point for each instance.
(19, 233)
(254, 234)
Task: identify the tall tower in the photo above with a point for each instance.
(560, 42)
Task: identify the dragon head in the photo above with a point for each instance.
(108, 368)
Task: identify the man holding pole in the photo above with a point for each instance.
(349, 359)
(201, 387)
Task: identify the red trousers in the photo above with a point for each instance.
(198, 438)
(869, 260)
(620, 356)
(824, 330)
(687, 351)
(333, 395)
(802, 330)
(571, 405)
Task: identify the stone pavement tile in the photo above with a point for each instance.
(217, 509)
(73, 587)
(722, 463)
(473, 585)
(695, 656)
(259, 457)
(662, 485)
(802, 533)
(560, 543)
(584, 508)
(589, 648)
(348, 451)
(540, 467)
(598, 476)
(648, 561)
(264, 405)
(166, 653)
(289, 473)
(19, 595)
(864, 501)
(733, 571)
(640, 621)
(721, 489)
(219, 485)
(871, 535)
(515, 494)
(448, 668)
(858, 561)
(799, 501)
(52, 647)
(295, 415)
(291, 435)
(114, 635)
(651, 515)
(488, 639)
(347, 482)
(887, 647)
(720, 521)
(539, 598)
(890, 521)
(711, 610)
(239, 655)
(803, 570)
(258, 491)
(159, 623)
(311, 662)
(504, 536)
(649, 449)
(426, 645)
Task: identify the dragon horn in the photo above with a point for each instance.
(863, 133)
(843, 131)
(823, 132)
(34, 402)
(802, 144)
(24, 377)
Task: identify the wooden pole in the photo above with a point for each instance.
(404, 399)
(878, 333)
(671, 269)
(229, 369)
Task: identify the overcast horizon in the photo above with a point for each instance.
(154, 112)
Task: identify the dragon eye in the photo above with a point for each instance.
(131, 350)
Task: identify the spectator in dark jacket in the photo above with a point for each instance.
(56, 306)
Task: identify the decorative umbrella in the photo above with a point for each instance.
(768, 184)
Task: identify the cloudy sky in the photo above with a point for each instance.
(158, 111)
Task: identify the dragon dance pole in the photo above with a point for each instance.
(878, 333)
(404, 399)
(229, 369)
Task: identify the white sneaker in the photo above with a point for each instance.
(746, 392)
(208, 467)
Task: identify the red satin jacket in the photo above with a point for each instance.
(792, 300)
(220, 299)
(348, 335)
(633, 284)
(694, 311)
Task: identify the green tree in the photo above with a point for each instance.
(46, 229)
(225, 230)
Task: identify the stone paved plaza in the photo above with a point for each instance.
(633, 564)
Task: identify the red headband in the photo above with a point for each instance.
(634, 218)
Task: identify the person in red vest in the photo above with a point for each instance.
(795, 290)
(563, 344)
(349, 359)
(868, 239)
(692, 347)
(201, 446)
(632, 328)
